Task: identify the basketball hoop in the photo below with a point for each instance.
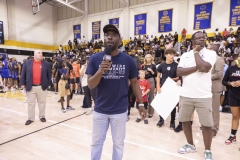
(34, 4)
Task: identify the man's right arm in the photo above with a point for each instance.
(186, 71)
(94, 80)
(182, 70)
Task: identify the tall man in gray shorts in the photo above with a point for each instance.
(195, 67)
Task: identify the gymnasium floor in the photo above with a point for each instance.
(71, 139)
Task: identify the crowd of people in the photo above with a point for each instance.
(156, 59)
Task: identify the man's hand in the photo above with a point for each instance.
(197, 48)
(233, 84)
(105, 66)
(179, 83)
(23, 86)
(237, 83)
(143, 112)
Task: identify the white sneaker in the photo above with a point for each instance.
(89, 111)
(220, 108)
(63, 110)
(188, 148)
(208, 155)
(12, 89)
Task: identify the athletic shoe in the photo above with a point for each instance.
(188, 148)
(145, 121)
(160, 123)
(231, 139)
(138, 120)
(89, 111)
(208, 155)
(69, 108)
(178, 129)
(63, 110)
(172, 126)
(220, 109)
(55, 92)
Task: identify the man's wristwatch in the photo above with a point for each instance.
(141, 105)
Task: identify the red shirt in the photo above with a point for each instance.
(144, 86)
(36, 72)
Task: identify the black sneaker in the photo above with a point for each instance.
(160, 123)
(172, 126)
(145, 121)
(138, 120)
(178, 129)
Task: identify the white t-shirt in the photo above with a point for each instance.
(230, 39)
(197, 84)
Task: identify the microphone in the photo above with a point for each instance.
(107, 54)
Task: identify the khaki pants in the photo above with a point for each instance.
(36, 94)
(215, 111)
(203, 107)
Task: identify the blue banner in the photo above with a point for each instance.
(140, 24)
(234, 13)
(96, 29)
(165, 20)
(114, 21)
(202, 16)
(77, 31)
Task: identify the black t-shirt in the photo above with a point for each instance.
(158, 53)
(149, 74)
(167, 70)
(232, 74)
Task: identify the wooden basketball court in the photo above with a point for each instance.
(71, 138)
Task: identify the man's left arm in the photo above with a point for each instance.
(49, 74)
(219, 67)
(137, 93)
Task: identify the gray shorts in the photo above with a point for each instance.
(203, 107)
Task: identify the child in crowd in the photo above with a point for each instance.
(64, 86)
(145, 89)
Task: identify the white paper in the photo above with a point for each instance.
(165, 101)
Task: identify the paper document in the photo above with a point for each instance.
(165, 101)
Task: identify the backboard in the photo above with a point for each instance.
(35, 6)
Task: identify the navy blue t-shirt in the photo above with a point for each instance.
(112, 91)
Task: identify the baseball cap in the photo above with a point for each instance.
(110, 27)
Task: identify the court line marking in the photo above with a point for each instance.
(129, 142)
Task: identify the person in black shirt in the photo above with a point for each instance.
(232, 81)
(165, 70)
(159, 52)
(150, 69)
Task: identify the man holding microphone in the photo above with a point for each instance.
(109, 72)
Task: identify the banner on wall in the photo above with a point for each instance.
(114, 21)
(202, 16)
(140, 24)
(234, 13)
(96, 29)
(77, 31)
(165, 20)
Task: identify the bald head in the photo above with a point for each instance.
(38, 55)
